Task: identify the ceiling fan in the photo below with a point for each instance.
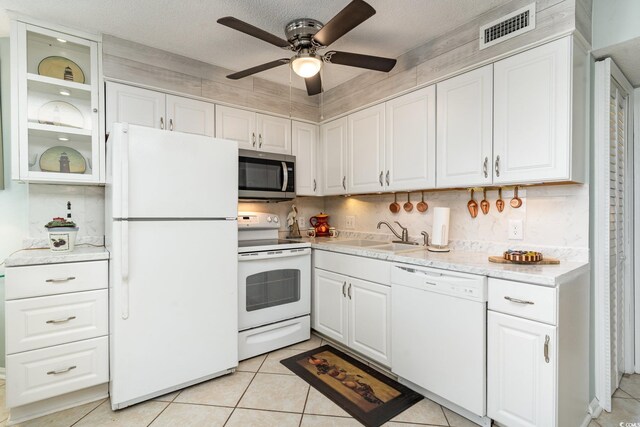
(305, 37)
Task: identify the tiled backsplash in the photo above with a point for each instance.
(555, 216)
(49, 201)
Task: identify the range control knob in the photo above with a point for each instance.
(268, 219)
(275, 219)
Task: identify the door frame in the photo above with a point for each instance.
(636, 226)
(604, 71)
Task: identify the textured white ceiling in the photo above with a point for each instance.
(189, 27)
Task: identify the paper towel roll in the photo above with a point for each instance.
(440, 234)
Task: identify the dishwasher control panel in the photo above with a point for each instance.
(463, 285)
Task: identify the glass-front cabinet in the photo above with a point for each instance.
(56, 106)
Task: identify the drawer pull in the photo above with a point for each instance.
(519, 301)
(344, 289)
(546, 348)
(349, 291)
(61, 371)
(66, 279)
(55, 322)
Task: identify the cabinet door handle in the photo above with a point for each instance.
(485, 167)
(61, 371)
(314, 185)
(518, 301)
(344, 289)
(55, 322)
(259, 140)
(497, 166)
(380, 179)
(344, 182)
(63, 279)
(546, 348)
(161, 123)
(170, 124)
(253, 138)
(387, 178)
(349, 291)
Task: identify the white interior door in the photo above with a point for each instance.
(613, 213)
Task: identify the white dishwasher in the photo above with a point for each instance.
(439, 334)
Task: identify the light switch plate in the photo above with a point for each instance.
(302, 222)
(350, 222)
(516, 229)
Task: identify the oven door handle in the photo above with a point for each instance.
(285, 175)
(285, 253)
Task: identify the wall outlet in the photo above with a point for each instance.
(302, 222)
(350, 222)
(516, 229)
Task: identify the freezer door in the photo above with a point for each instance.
(162, 174)
(173, 305)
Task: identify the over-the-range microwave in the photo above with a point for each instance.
(266, 176)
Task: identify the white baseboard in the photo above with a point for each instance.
(3, 374)
(594, 408)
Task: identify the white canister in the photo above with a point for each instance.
(62, 239)
(440, 233)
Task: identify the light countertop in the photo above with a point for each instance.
(46, 256)
(466, 262)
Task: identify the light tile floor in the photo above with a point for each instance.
(264, 393)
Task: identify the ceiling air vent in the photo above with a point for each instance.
(511, 25)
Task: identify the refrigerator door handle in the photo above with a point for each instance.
(124, 176)
(125, 269)
(285, 174)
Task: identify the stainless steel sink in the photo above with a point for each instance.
(398, 247)
(358, 242)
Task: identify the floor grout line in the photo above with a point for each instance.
(445, 414)
(306, 399)
(97, 406)
(160, 413)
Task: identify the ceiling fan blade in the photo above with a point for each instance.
(377, 63)
(314, 84)
(354, 14)
(261, 34)
(258, 68)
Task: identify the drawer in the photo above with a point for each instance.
(523, 300)
(50, 279)
(57, 319)
(373, 270)
(53, 371)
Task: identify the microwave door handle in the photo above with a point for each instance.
(285, 174)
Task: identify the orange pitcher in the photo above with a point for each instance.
(320, 224)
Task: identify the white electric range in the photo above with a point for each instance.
(274, 286)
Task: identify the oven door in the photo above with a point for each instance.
(273, 286)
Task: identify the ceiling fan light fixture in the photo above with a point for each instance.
(306, 64)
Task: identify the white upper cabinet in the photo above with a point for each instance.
(254, 131)
(274, 134)
(333, 140)
(238, 125)
(533, 115)
(136, 106)
(410, 143)
(304, 138)
(365, 150)
(465, 129)
(57, 124)
(190, 116)
(144, 107)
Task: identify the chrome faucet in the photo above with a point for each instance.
(425, 237)
(404, 238)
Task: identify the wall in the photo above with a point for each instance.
(14, 198)
(615, 21)
(133, 62)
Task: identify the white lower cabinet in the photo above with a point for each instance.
(58, 345)
(521, 365)
(351, 310)
(538, 353)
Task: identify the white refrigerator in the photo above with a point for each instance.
(171, 229)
